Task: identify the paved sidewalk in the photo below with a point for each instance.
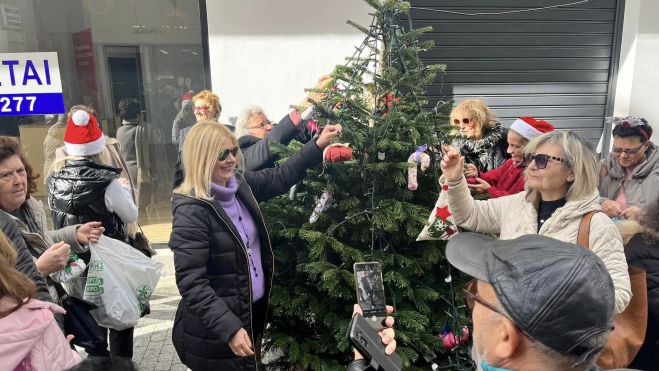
(153, 349)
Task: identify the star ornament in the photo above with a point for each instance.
(443, 213)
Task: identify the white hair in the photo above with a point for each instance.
(242, 124)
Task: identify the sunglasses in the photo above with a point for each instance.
(627, 151)
(261, 124)
(201, 108)
(465, 121)
(471, 297)
(540, 160)
(225, 153)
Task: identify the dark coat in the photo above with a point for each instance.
(24, 262)
(76, 195)
(212, 267)
(256, 153)
(645, 254)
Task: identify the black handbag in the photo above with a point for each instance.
(79, 322)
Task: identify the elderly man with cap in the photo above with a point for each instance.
(537, 303)
(508, 178)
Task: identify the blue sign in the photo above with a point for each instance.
(30, 84)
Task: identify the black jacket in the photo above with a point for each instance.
(24, 262)
(256, 152)
(76, 195)
(212, 267)
(642, 253)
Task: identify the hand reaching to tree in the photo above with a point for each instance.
(452, 165)
(329, 132)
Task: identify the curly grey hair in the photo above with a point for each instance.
(242, 124)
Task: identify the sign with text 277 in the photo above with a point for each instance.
(30, 84)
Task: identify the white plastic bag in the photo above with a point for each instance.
(120, 281)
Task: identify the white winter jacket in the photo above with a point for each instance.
(516, 215)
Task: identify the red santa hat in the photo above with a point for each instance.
(529, 128)
(83, 137)
(187, 98)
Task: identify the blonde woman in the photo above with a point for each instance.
(31, 339)
(481, 139)
(222, 252)
(83, 188)
(561, 187)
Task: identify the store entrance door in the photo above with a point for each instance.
(125, 77)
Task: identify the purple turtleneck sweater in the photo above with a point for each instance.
(236, 211)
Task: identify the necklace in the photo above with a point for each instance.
(244, 232)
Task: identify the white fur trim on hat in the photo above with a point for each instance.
(80, 118)
(86, 149)
(525, 129)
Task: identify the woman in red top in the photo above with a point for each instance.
(508, 178)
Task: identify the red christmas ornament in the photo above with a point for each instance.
(465, 335)
(337, 153)
(449, 340)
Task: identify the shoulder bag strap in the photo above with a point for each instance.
(583, 238)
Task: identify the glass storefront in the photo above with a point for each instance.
(108, 50)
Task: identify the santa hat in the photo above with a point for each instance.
(187, 98)
(83, 137)
(529, 128)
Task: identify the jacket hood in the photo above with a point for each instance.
(23, 328)
(642, 170)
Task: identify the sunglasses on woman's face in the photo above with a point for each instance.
(201, 108)
(465, 121)
(540, 160)
(225, 153)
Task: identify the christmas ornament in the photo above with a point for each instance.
(389, 99)
(441, 223)
(337, 152)
(324, 203)
(450, 340)
(418, 157)
(381, 156)
(74, 268)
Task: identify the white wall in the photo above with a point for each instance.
(267, 52)
(638, 74)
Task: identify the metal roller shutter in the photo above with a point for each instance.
(557, 64)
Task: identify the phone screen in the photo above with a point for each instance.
(370, 291)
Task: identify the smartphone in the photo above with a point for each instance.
(370, 293)
(368, 343)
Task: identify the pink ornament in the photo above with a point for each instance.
(449, 340)
(465, 335)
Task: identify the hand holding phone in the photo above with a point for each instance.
(369, 344)
(370, 293)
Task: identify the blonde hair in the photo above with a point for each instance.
(477, 110)
(101, 158)
(13, 284)
(212, 99)
(199, 155)
(579, 157)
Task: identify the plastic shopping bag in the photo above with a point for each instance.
(120, 281)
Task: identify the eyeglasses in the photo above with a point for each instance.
(261, 124)
(540, 160)
(465, 121)
(201, 108)
(471, 297)
(627, 151)
(225, 153)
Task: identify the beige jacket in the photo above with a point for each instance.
(516, 215)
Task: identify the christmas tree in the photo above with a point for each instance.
(364, 209)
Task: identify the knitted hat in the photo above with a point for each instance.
(187, 98)
(83, 137)
(529, 128)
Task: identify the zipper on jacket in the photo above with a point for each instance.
(249, 278)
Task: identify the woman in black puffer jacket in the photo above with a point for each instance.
(222, 252)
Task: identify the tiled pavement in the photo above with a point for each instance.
(153, 349)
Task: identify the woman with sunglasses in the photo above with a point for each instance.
(630, 176)
(561, 187)
(222, 252)
(481, 139)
